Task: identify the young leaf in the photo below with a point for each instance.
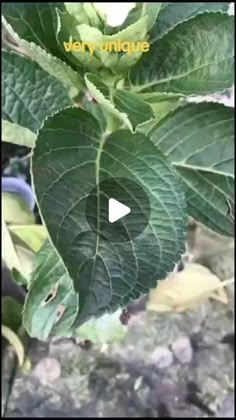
(171, 14)
(117, 61)
(199, 141)
(78, 157)
(29, 93)
(150, 10)
(128, 108)
(178, 63)
(84, 13)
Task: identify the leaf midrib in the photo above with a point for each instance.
(138, 88)
(200, 168)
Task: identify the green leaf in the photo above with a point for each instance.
(206, 195)
(171, 14)
(32, 235)
(51, 64)
(84, 13)
(29, 93)
(78, 157)
(188, 68)
(135, 108)
(162, 103)
(35, 22)
(14, 133)
(199, 141)
(66, 32)
(40, 318)
(100, 114)
(51, 305)
(15, 210)
(151, 10)
(94, 18)
(77, 11)
(128, 108)
(11, 313)
(116, 61)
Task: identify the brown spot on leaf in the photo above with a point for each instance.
(51, 295)
(60, 311)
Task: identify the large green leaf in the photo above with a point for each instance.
(29, 93)
(128, 108)
(77, 158)
(34, 22)
(171, 14)
(196, 57)
(52, 305)
(199, 141)
(51, 64)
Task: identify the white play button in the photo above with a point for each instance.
(117, 210)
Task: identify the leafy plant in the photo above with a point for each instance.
(139, 126)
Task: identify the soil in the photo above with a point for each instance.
(169, 365)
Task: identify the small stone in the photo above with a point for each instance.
(162, 357)
(182, 350)
(47, 370)
(138, 383)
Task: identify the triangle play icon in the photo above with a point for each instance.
(117, 210)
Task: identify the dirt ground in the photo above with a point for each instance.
(168, 365)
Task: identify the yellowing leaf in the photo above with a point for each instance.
(15, 210)
(33, 235)
(185, 289)
(16, 255)
(9, 254)
(15, 342)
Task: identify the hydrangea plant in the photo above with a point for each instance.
(87, 116)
